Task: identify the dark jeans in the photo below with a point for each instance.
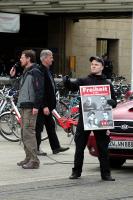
(102, 141)
(50, 128)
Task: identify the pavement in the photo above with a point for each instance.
(52, 167)
(51, 180)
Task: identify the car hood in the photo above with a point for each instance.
(123, 111)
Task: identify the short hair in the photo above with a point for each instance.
(44, 53)
(30, 54)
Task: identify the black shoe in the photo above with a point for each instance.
(108, 178)
(41, 153)
(61, 149)
(74, 176)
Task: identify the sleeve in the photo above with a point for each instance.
(72, 85)
(38, 85)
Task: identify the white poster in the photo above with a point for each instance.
(97, 113)
(9, 23)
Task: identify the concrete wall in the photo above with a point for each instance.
(82, 37)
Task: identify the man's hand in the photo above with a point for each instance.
(66, 79)
(13, 72)
(46, 111)
(111, 102)
(34, 111)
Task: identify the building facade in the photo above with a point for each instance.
(88, 37)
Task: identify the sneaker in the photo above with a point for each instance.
(22, 162)
(31, 165)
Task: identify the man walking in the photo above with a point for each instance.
(81, 136)
(49, 103)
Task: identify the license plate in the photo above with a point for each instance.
(121, 144)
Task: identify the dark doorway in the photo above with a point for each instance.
(33, 34)
(110, 47)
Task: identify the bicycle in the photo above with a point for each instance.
(10, 121)
(67, 123)
(4, 103)
(10, 118)
(67, 106)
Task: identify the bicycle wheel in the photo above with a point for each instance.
(73, 129)
(9, 127)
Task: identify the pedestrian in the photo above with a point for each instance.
(108, 66)
(29, 101)
(49, 103)
(81, 137)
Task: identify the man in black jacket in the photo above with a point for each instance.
(81, 137)
(49, 103)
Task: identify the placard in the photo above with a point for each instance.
(97, 113)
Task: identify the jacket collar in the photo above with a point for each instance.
(29, 68)
(97, 76)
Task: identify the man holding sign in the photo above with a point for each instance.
(81, 137)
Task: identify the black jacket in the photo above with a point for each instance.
(90, 80)
(49, 99)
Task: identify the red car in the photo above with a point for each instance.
(121, 144)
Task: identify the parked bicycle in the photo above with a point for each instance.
(10, 117)
(67, 123)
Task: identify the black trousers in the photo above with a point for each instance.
(50, 128)
(102, 141)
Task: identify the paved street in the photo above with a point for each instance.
(51, 181)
